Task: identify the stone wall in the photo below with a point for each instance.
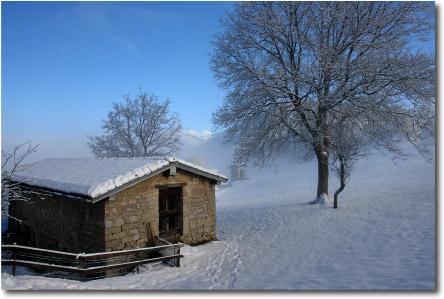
(59, 222)
(199, 211)
(68, 224)
(127, 214)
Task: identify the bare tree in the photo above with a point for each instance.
(292, 69)
(139, 127)
(349, 145)
(12, 182)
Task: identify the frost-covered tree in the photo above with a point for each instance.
(138, 127)
(292, 69)
(349, 145)
(13, 164)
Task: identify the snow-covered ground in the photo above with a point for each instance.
(381, 237)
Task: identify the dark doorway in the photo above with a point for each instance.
(170, 213)
(241, 173)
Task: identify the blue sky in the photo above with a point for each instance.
(64, 63)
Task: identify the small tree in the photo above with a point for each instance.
(349, 146)
(139, 127)
(13, 164)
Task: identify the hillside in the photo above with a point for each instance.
(382, 237)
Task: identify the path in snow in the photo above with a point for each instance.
(381, 237)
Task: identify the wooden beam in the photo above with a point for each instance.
(41, 251)
(43, 266)
(131, 264)
(110, 254)
(86, 256)
(166, 186)
(173, 170)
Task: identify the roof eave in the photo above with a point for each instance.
(129, 184)
(156, 172)
(200, 172)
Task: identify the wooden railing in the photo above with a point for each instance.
(90, 265)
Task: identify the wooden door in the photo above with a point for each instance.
(170, 212)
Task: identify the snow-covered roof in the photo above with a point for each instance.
(95, 177)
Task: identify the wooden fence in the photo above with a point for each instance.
(91, 265)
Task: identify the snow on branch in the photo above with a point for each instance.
(12, 182)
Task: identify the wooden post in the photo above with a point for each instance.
(83, 267)
(178, 259)
(13, 265)
(151, 241)
(138, 266)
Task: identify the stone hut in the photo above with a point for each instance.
(238, 172)
(97, 205)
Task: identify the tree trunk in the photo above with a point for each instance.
(342, 178)
(322, 157)
(335, 202)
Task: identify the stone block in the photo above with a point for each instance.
(133, 218)
(133, 232)
(127, 239)
(119, 222)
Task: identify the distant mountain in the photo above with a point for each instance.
(191, 137)
(206, 149)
